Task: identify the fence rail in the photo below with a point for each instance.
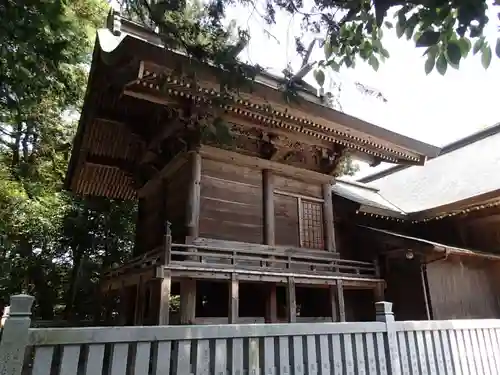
(460, 347)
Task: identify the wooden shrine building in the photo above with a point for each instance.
(435, 229)
(240, 231)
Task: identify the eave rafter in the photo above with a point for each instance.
(157, 84)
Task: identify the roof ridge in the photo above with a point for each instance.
(450, 147)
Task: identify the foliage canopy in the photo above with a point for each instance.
(348, 31)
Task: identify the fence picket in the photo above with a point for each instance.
(43, 360)
(119, 359)
(324, 349)
(69, 361)
(161, 364)
(142, 358)
(95, 359)
(237, 357)
(311, 359)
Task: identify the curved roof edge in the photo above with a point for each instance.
(450, 147)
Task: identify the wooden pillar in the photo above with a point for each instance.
(268, 203)
(425, 290)
(188, 301)
(138, 303)
(269, 238)
(233, 299)
(193, 203)
(164, 308)
(271, 304)
(340, 301)
(334, 302)
(124, 306)
(329, 230)
(291, 301)
(380, 287)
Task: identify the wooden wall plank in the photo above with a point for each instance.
(286, 221)
(231, 203)
(290, 185)
(460, 290)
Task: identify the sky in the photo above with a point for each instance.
(433, 109)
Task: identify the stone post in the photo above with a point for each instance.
(15, 332)
(384, 314)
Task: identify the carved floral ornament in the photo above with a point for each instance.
(176, 87)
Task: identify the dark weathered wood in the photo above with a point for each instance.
(233, 299)
(340, 300)
(138, 302)
(188, 301)
(271, 304)
(193, 203)
(301, 174)
(460, 289)
(286, 221)
(268, 203)
(176, 163)
(291, 301)
(328, 230)
(296, 187)
(165, 289)
(168, 244)
(231, 202)
(332, 289)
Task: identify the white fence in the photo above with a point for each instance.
(459, 347)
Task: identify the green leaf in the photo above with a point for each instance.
(332, 64)
(428, 38)
(486, 56)
(441, 64)
(429, 64)
(384, 53)
(465, 46)
(477, 45)
(388, 24)
(432, 51)
(409, 31)
(400, 30)
(328, 49)
(410, 26)
(366, 50)
(497, 48)
(319, 75)
(453, 52)
(373, 61)
(348, 61)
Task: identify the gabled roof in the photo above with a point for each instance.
(464, 174)
(133, 76)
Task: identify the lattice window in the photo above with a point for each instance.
(311, 224)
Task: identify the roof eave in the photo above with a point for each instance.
(424, 150)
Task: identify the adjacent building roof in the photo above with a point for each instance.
(439, 247)
(464, 174)
(369, 198)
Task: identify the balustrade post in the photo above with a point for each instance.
(384, 314)
(168, 244)
(15, 333)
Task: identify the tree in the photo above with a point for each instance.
(53, 245)
(347, 30)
